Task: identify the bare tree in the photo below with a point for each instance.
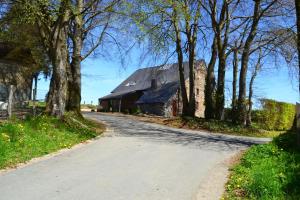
(210, 83)
(259, 12)
(256, 69)
(90, 21)
(297, 5)
(173, 26)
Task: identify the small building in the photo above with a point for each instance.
(12, 72)
(155, 90)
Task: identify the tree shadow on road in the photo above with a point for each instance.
(159, 133)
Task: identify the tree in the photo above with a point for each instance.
(297, 5)
(210, 83)
(256, 69)
(258, 13)
(221, 18)
(172, 25)
(64, 26)
(23, 44)
(221, 29)
(235, 65)
(90, 21)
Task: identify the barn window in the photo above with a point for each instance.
(132, 83)
(197, 105)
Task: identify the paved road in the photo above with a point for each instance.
(133, 161)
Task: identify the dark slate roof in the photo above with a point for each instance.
(159, 95)
(141, 79)
(116, 95)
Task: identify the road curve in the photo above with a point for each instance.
(133, 161)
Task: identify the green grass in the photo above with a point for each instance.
(21, 141)
(268, 171)
(40, 104)
(222, 127)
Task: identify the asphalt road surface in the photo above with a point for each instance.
(133, 161)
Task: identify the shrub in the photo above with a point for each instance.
(136, 111)
(275, 115)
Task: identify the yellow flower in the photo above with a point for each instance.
(5, 137)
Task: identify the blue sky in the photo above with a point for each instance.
(101, 76)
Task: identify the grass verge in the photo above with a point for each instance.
(21, 141)
(268, 171)
(211, 125)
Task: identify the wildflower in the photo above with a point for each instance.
(5, 137)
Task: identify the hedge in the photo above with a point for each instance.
(275, 115)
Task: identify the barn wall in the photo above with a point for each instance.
(200, 74)
(11, 74)
(169, 112)
(104, 106)
(153, 108)
(127, 103)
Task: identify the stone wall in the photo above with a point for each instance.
(200, 73)
(12, 74)
(153, 108)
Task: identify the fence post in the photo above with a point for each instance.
(10, 101)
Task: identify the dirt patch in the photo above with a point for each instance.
(214, 186)
(234, 160)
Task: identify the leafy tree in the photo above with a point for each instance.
(172, 26)
(68, 31)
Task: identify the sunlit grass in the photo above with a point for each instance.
(268, 171)
(21, 141)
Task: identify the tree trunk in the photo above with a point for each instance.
(297, 5)
(241, 106)
(234, 84)
(248, 121)
(191, 37)
(57, 96)
(185, 102)
(192, 101)
(220, 97)
(256, 70)
(210, 83)
(74, 83)
(222, 42)
(249, 112)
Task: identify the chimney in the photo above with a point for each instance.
(153, 84)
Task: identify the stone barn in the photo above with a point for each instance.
(155, 90)
(12, 72)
